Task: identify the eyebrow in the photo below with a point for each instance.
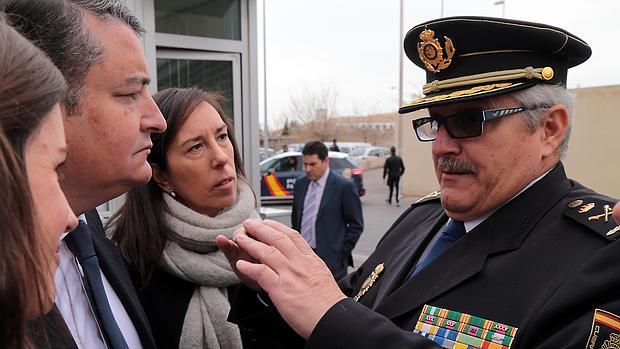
(138, 80)
(193, 139)
(221, 128)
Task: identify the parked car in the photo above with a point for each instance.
(369, 153)
(279, 173)
(264, 153)
(348, 147)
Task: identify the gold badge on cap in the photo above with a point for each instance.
(369, 281)
(431, 52)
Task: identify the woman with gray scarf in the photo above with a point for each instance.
(167, 228)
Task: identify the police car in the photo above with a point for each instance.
(279, 173)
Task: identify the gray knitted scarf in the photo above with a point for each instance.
(191, 254)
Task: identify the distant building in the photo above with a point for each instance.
(380, 122)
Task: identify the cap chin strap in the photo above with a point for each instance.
(545, 73)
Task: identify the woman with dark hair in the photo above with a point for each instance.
(33, 210)
(167, 228)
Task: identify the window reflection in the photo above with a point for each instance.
(219, 19)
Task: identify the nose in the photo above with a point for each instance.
(220, 156)
(444, 144)
(72, 221)
(152, 119)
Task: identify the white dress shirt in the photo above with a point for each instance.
(72, 302)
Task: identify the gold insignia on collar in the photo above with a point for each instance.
(431, 52)
(575, 203)
(585, 208)
(605, 214)
(369, 281)
(429, 196)
(614, 230)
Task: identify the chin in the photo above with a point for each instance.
(141, 175)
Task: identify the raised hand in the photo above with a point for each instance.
(297, 280)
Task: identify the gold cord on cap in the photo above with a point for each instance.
(545, 73)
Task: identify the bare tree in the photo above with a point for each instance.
(314, 110)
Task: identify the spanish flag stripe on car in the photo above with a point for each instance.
(274, 186)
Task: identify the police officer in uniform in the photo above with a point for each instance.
(509, 253)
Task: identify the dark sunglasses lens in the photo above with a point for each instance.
(464, 125)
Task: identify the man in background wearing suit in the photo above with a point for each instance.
(327, 210)
(109, 116)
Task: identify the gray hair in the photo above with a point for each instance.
(549, 95)
(543, 95)
(56, 27)
(111, 9)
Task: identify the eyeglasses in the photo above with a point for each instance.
(467, 124)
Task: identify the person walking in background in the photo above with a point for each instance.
(393, 168)
(166, 229)
(327, 210)
(108, 117)
(33, 210)
(334, 146)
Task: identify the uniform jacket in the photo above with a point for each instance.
(339, 221)
(113, 267)
(536, 265)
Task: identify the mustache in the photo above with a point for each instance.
(454, 165)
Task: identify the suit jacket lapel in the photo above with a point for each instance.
(57, 335)
(303, 182)
(113, 267)
(327, 194)
(505, 230)
(402, 260)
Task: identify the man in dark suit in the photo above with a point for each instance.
(327, 210)
(510, 254)
(108, 118)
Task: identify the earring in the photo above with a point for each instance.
(171, 192)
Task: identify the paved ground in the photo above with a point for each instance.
(378, 215)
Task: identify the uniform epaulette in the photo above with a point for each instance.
(595, 214)
(432, 196)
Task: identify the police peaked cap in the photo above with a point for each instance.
(469, 58)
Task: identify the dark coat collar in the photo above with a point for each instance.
(505, 230)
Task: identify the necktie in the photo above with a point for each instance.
(308, 217)
(453, 231)
(80, 243)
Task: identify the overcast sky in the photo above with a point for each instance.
(352, 46)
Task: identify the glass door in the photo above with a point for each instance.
(210, 71)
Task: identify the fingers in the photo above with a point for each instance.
(295, 236)
(266, 278)
(264, 253)
(272, 237)
(229, 247)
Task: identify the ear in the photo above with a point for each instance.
(159, 176)
(554, 127)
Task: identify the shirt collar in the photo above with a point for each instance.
(321, 181)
